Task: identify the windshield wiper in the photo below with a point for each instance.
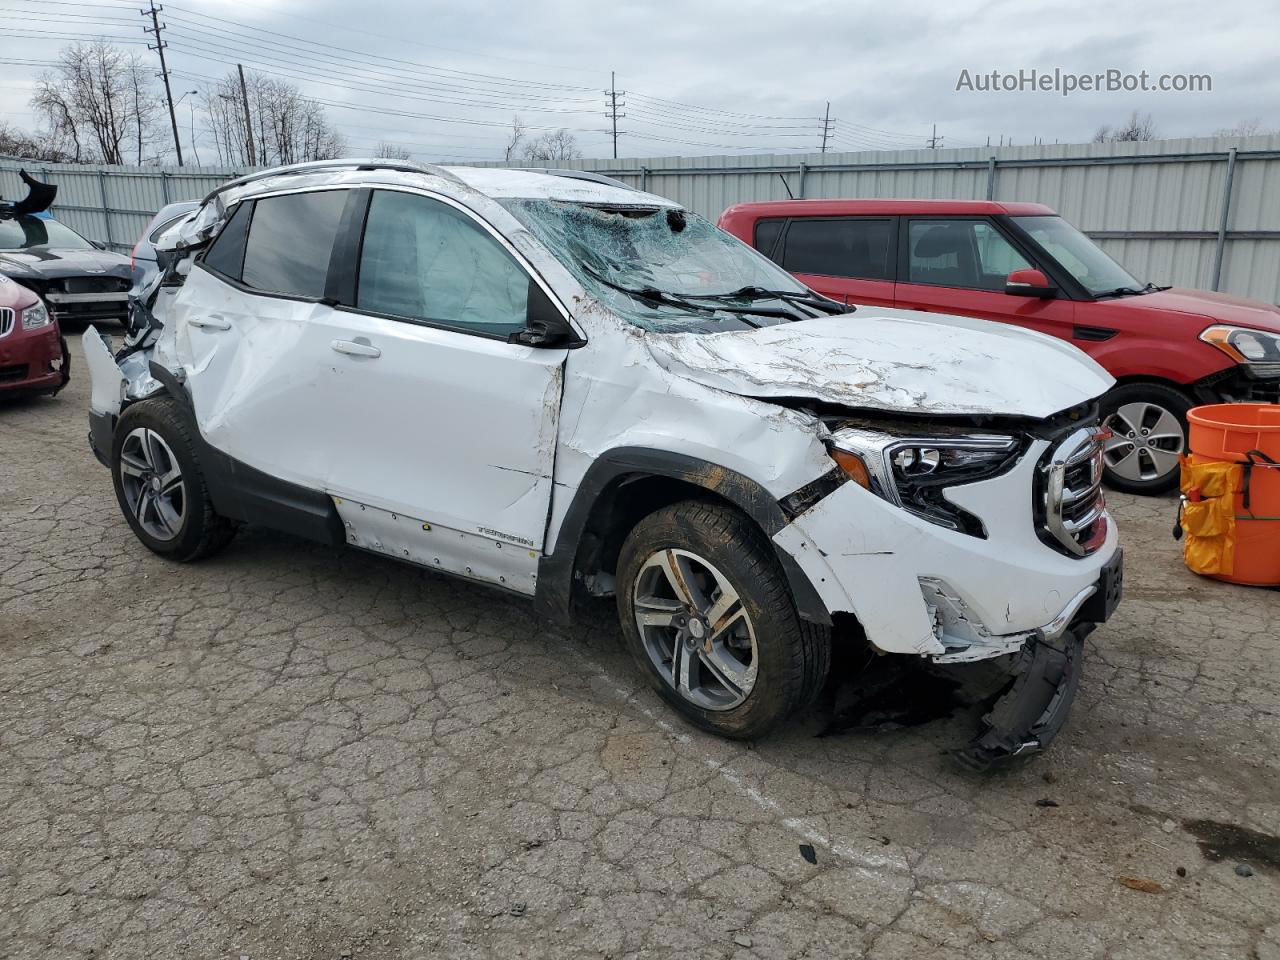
(652, 295)
(1128, 291)
(790, 296)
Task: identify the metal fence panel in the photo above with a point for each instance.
(1157, 207)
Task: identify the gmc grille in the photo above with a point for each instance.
(1069, 502)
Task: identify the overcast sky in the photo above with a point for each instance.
(702, 76)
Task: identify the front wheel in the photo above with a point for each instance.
(1148, 423)
(708, 617)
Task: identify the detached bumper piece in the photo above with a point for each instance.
(1028, 715)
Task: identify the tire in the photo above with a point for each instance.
(159, 485)
(743, 680)
(1144, 463)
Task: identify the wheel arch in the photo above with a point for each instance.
(625, 485)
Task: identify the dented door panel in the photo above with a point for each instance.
(456, 429)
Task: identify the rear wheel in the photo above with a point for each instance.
(159, 485)
(1148, 423)
(708, 617)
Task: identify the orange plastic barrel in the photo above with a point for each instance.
(1231, 432)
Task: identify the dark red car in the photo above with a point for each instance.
(1021, 263)
(33, 354)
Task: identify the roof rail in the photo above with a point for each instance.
(579, 175)
(320, 166)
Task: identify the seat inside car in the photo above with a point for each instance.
(944, 254)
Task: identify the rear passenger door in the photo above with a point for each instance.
(850, 259)
(251, 326)
(959, 266)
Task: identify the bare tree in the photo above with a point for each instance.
(32, 146)
(284, 126)
(517, 137)
(1137, 127)
(96, 97)
(1245, 128)
(553, 145)
(391, 151)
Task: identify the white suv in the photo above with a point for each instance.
(554, 384)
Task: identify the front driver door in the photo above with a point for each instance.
(447, 431)
(959, 266)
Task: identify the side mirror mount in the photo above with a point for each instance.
(98, 244)
(544, 325)
(1029, 283)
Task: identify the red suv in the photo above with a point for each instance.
(1022, 263)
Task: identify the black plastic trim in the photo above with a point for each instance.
(344, 258)
(102, 428)
(557, 570)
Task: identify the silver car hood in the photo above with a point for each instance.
(893, 360)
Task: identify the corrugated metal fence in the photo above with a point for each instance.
(1195, 213)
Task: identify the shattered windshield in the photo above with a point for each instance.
(644, 262)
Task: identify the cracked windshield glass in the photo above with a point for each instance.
(628, 257)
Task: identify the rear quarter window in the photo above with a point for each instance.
(290, 240)
(226, 254)
(766, 237)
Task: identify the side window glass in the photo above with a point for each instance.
(226, 253)
(423, 260)
(290, 240)
(996, 256)
(767, 238)
(857, 248)
(960, 253)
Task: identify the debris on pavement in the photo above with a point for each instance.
(807, 851)
(1141, 884)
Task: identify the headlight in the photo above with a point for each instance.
(36, 315)
(914, 472)
(1244, 345)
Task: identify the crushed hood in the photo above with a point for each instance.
(893, 360)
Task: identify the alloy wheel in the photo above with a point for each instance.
(1146, 441)
(153, 485)
(695, 629)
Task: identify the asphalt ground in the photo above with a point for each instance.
(291, 751)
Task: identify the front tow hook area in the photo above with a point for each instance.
(1028, 715)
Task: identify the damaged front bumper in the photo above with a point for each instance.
(1045, 675)
(1027, 717)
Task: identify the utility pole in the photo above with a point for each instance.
(826, 127)
(935, 141)
(612, 113)
(155, 28)
(248, 124)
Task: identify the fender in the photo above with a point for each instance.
(557, 571)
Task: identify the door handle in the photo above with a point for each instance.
(212, 322)
(356, 348)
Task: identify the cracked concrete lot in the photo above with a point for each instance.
(296, 752)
